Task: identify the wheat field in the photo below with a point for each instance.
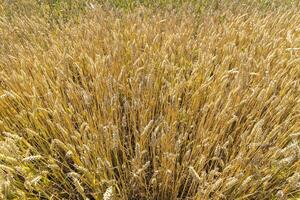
(170, 100)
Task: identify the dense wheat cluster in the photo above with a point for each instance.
(99, 101)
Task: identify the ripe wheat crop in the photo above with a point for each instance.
(169, 102)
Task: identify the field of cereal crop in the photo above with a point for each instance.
(149, 100)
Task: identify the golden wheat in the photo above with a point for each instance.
(151, 104)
